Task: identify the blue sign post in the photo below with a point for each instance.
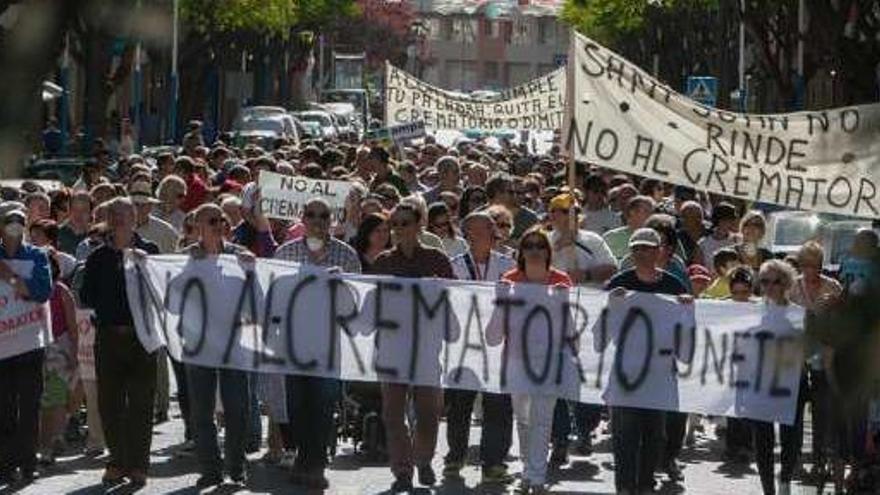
(703, 89)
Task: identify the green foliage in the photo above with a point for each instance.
(264, 17)
(609, 21)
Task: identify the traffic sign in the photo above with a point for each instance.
(703, 89)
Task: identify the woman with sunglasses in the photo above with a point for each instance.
(533, 413)
(776, 279)
(171, 191)
(440, 223)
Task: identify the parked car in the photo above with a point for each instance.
(323, 119)
(66, 170)
(264, 129)
(837, 238)
(348, 121)
(357, 97)
(787, 231)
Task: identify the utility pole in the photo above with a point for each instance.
(172, 114)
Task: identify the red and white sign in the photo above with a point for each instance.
(24, 325)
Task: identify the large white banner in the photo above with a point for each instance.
(538, 104)
(24, 325)
(720, 358)
(285, 196)
(622, 118)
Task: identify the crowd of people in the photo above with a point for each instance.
(466, 212)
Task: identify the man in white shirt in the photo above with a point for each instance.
(480, 263)
(598, 215)
(148, 226)
(582, 254)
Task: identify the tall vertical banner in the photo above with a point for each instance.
(622, 118)
(24, 325)
(537, 105)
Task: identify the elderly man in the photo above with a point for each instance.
(481, 263)
(311, 399)
(203, 381)
(410, 258)
(126, 373)
(449, 174)
(21, 376)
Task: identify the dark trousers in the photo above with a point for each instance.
(791, 438)
(126, 386)
(638, 437)
(236, 411)
(21, 385)
(183, 396)
(310, 405)
(821, 408)
(739, 435)
(676, 428)
(497, 426)
(586, 418)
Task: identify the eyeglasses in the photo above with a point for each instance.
(214, 221)
(503, 225)
(534, 246)
(771, 281)
(324, 215)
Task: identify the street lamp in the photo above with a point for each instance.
(833, 74)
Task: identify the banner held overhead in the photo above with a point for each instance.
(538, 104)
(624, 119)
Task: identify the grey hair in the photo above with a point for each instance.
(781, 268)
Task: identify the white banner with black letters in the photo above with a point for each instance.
(622, 118)
(285, 196)
(538, 104)
(718, 358)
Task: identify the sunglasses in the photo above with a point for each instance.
(771, 281)
(324, 215)
(534, 246)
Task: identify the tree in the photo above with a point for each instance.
(690, 35)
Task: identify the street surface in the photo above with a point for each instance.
(172, 472)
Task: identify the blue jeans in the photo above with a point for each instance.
(234, 393)
(638, 438)
(310, 405)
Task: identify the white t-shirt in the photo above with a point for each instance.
(601, 221)
(498, 265)
(588, 252)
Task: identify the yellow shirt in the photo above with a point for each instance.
(720, 289)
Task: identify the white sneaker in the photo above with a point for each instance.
(783, 488)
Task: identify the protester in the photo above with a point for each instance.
(59, 371)
(76, 227)
(637, 210)
(21, 376)
(499, 189)
(582, 254)
(534, 413)
(638, 434)
(752, 228)
(449, 174)
(311, 400)
(410, 258)
(203, 381)
(776, 279)
(372, 238)
(441, 224)
(126, 373)
(722, 233)
(480, 263)
(171, 193)
(598, 216)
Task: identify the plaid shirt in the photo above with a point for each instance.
(337, 254)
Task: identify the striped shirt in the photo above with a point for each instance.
(336, 254)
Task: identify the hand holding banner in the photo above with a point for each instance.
(717, 358)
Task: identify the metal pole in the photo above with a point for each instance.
(802, 27)
(742, 44)
(172, 114)
(137, 85)
(64, 104)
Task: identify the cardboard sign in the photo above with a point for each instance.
(284, 196)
